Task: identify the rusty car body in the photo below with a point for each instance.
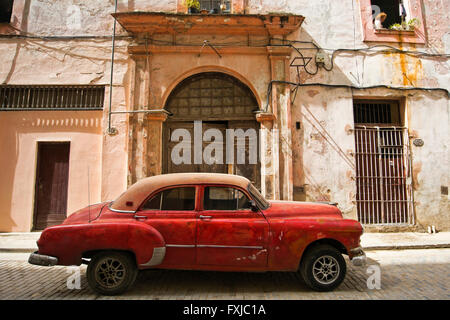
(202, 221)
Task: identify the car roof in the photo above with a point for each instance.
(139, 191)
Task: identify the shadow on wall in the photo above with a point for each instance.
(9, 169)
(308, 113)
(22, 28)
(38, 123)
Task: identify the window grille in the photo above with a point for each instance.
(19, 97)
(376, 112)
(214, 5)
(383, 164)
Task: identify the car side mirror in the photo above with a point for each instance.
(253, 206)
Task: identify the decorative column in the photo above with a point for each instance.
(145, 123)
(268, 156)
(155, 120)
(281, 108)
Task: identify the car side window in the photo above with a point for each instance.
(176, 199)
(225, 198)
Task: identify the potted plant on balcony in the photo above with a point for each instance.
(192, 5)
(411, 25)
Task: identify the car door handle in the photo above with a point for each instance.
(205, 217)
(140, 217)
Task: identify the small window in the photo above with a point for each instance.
(6, 7)
(392, 10)
(376, 112)
(223, 198)
(177, 199)
(216, 6)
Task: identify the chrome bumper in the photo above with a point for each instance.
(359, 257)
(42, 260)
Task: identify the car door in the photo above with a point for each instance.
(229, 233)
(172, 212)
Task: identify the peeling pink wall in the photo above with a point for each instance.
(20, 132)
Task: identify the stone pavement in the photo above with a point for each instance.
(404, 274)
(26, 242)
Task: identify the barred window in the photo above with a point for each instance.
(214, 5)
(20, 97)
(376, 112)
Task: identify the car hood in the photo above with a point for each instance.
(292, 209)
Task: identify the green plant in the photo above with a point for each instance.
(192, 4)
(396, 26)
(413, 23)
(406, 26)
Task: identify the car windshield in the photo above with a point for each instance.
(258, 197)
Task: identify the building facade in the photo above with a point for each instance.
(96, 95)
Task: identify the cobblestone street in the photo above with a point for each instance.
(405, 274)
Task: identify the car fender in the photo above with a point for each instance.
(70, 242)
(290, 238)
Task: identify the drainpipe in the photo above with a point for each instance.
(111, 130)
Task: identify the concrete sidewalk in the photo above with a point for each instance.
(405, 240)
(26, 241)
(19, 241)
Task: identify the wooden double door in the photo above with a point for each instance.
(247, 168)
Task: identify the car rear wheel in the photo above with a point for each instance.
(111, 273)
(323, 268)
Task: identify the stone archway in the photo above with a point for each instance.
(217, 103)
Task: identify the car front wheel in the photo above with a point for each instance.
(111, 273)
(323, 268)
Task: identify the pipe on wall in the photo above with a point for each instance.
(111, 130)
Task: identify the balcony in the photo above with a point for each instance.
(270, 25)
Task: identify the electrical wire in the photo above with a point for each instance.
(269, 89)
(370, 48)
(82, 37)
(390, 49)
(261, 43)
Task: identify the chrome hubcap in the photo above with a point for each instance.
(326, 269)
(110, 272)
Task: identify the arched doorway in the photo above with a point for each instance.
(217, 101)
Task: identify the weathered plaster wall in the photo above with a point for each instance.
(76, 17)
(20, 132)
(337, 24)
(323, 166)
(66, 61)
(330, 24)
(429, 120)
(167, 70)
(322, 161)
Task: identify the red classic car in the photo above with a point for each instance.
(199, 221)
